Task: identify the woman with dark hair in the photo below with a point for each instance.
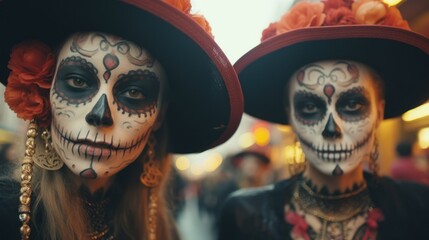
(131, 81)
(333, 70)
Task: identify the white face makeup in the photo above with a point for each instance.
(333, 109)
(105, 99)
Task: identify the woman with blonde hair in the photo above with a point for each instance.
(333, 70)
(130, 81)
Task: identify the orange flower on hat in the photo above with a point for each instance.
(394, 18)
(202, 21)
(334, 4)
(303, 14)
(339, 16)
(269, 31)
(335, 13)
(27, 91)
(369, 11)
(185, 6)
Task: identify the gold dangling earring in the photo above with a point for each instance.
(26, 172)
(297, 161)
(151, 175)
(153, 211)
(151, 178)
(373, 158)
(48, 159)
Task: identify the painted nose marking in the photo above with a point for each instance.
(100, 114)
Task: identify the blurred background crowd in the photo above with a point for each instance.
(259, 153)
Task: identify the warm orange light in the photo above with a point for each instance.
(261, 136)
(197, 170)
(284, 128)
(293, 154)
(246, 140)
(423, 138)
(182, 163)
(416, 113)
(392, 2)
(213, 162)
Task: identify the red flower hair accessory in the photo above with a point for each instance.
(300, 226)
(336, 12)
(375, 215)
(185, 6)
(27, 92)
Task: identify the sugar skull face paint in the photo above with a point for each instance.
(334, 110)
(105, 99)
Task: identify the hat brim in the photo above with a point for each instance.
(206, 103)
(400, 57)
(238, 158)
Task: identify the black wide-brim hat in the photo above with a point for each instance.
(400, 57)
(206, 103)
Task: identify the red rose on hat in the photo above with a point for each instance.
(27, 92)
(33, 62)
(28, 101)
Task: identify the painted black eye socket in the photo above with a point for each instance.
(309, 108)
(353, 105)
(133, 93)
(76, 81)
(137, 92)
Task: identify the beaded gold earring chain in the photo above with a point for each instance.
(153, 211)
(26, 172)
(151, 178)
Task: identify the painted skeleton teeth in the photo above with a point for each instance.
(338, 155)
(81, 148)
(336, 152)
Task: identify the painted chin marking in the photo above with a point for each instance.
(335, 152)
(88, 173)
(337, 171)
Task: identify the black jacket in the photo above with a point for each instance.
(9, 199)
(259, 213)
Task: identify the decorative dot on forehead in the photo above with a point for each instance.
(110, 62)
(329, 91)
